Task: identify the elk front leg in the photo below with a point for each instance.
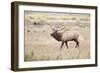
(66, 44)
(62, 45)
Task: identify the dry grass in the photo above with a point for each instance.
(40, 46)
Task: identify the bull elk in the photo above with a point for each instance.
(65, 36)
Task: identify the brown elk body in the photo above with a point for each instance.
(66, 36)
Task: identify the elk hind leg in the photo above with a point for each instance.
(77, 43)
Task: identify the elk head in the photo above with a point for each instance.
(56, 33)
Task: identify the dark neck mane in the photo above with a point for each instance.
(57, 36)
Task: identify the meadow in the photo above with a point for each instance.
(40, 46)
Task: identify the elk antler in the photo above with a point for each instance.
(61, 28)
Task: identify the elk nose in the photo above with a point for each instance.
(51, 34)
